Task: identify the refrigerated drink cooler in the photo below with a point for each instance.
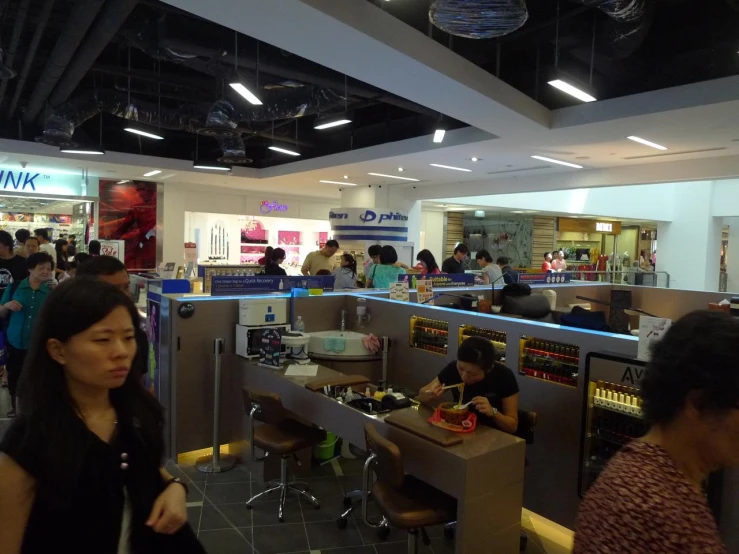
(611, 412)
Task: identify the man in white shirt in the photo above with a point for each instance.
(44, 245)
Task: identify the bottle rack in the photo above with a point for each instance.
(431, 335)
(498, 338)
(614, 419)
(549, 360)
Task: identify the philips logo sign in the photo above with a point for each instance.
(19, 180)
(369, 216)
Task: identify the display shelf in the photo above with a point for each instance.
(549, 361)
(431, 335)
(498, 338)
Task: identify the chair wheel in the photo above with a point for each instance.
(347, 502)
(342, 522)
(383, 533)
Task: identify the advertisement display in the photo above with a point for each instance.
(356, 224)
(439, 279)
(229, 285)
(544, 278)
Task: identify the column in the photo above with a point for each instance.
(732, 255)
(689, 247)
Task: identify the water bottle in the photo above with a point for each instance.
(299, 325)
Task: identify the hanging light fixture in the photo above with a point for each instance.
(284, 147)
(239, 83)
(335, 120)
(440, 130)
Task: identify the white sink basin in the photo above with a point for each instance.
(330, 343)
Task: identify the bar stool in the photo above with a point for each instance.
(278, 435)
(404, 501)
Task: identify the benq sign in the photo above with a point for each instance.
(604, 227)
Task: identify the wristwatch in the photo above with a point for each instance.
(179, 482)
(495, 411)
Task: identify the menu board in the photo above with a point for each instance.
(425, 291)
(269, 350)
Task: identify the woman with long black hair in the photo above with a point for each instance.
(81, 466)
(346, 275)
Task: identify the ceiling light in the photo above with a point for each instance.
(572, 90)
(401, 169)
(91, 151)
(647, 142)
(439, 135)
(517, 212)
(329, 121)
(450, 167)
(474, 159)
(152, 173)
(143, 133)
(237, 83)
(339, 183)
(211, 166)
(346, 176)
(393, 177)
(550, 160)
(168, 176)
(285, 149)
(123, 181)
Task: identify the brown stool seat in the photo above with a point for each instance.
(286, 437)
(416, 504)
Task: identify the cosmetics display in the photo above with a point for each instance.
(549, 360)
(207, 272)
(613, 414)
(219, 245)
(498, 338)
(431, 335)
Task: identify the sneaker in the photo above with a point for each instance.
(11, 414)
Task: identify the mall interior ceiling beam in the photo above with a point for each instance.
(380, 50)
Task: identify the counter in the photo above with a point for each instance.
(484, 473)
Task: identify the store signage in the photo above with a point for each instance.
(604, 227)
(20, 180)
(567, 225)
(362, 224)
(439, 279)
(267, 207)
(46, 183)
(223, 285)
(544, 278)
(633, 375)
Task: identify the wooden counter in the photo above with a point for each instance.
(484, 472)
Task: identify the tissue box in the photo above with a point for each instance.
(721, 307)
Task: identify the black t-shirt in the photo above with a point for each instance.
(274, 269)
(498, 384)
(451, 265)
(12, 270)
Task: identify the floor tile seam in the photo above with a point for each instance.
(205, 497)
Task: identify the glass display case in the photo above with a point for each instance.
(549, 360)
(498, 338)
(612, 411)
(431, 335)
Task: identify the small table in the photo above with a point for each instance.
(484, 472)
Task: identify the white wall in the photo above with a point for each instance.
(180, 198)
(432, 233)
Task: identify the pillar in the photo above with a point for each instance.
(732, 255)
(689, 247)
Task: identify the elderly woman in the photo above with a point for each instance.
(649, 498)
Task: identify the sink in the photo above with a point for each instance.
(352, 341)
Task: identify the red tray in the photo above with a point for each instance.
(436, 420)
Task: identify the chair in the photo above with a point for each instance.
(278, 435)
(404, 501)
(343, 520)
(527, 422)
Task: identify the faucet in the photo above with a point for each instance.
(343, 321)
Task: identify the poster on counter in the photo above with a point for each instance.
(270, 347)
(225, 285)
(425, 292)
(651, 330)
(439, 279)
(400, 291)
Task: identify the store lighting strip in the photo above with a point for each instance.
(339, 183)
(152, 173)
(399, 178)
(284, 150)
(248, 95)
(567, 88)
(451, 167)
(82, 152)
(143, 133)
(646, 142)
(558, 162)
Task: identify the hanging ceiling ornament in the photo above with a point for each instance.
(478, 18)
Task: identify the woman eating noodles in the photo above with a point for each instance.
(490, 386)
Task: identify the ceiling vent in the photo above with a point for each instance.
(478, 19)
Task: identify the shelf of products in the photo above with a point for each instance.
(431, 335)
(498, 338)
(549, 360)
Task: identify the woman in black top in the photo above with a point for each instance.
(490, 386)
(273, 264)
(60, 246)
(81, 467)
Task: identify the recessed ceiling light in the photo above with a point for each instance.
(123, 181)
(143, 133)
(244, 91)
(346, 176)
(152, 173)
(401, 169)
(474, 159)
(393, 177)
(284, 149)
(327, 122)
(559, 162)
(338, 183)
(211, 166)
(450, 167)
(572, 90)
(646, 142)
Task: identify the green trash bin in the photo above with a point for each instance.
(325, 450)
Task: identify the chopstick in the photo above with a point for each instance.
(457, 386)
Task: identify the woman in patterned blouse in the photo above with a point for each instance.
(650, 497)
